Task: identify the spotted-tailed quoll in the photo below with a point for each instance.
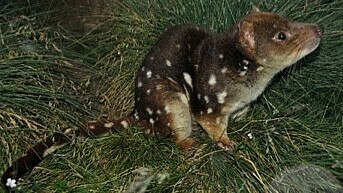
(192, 74)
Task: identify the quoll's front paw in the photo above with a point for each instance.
(227, 145)
(187, 144)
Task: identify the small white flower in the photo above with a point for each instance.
(250, 135)
(11, 183)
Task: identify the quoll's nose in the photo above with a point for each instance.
(319, 30)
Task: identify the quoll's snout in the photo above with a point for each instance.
(319, 30)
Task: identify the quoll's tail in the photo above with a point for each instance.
(38, 152)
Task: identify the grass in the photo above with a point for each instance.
(51, 77)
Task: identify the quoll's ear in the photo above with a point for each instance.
(245, 38)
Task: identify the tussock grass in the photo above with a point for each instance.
(51, 77)
(38, 87)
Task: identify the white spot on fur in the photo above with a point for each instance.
(124, 124)
(136, 115)
(221, 56)
(260, 68)
(158, 87)
(152, 58)
(158, 112)
(167, 109)
(150, 112)
(168, 124)
(243, 73)
(109, 124)
(143, 68)
(148, 74)
(91, 127)
(152, 121)
(201, 112)
(209, 110)
(139, 84)
(188, 79)
(168, 63)
(148, 91)
(199, 96)
(178, 45)
(213, 80)
(221, 97)
(223, 70)
(207, 100)
(246, 62)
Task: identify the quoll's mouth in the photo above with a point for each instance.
(307, 48)
(313, 45)
(318, 31)
(314, 42)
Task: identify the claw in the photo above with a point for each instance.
(188, 144)
(229, 146)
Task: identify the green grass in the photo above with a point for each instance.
(51, 77)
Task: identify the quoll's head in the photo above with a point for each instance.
(274, 41)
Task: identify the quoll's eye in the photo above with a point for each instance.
(281, 36)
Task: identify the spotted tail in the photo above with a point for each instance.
(38, 152)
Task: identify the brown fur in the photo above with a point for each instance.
(191, 75)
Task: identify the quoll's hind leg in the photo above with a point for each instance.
(178, 113)
(215, 126)
(163, 105)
